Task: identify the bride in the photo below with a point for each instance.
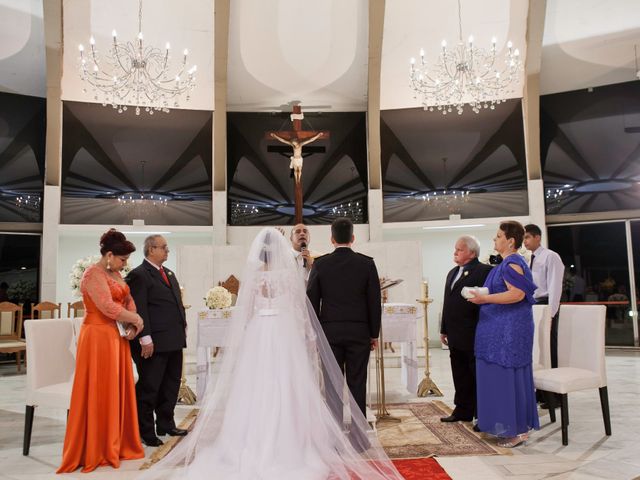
(268, 414)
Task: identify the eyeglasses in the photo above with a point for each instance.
(162, 247)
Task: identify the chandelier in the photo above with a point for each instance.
(136, 74)
(27, 205)
(28, 202)
(444, 199)
(139, 198)
(465, 74)
(242, 213)
(142, 202)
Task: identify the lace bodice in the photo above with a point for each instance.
(104, 295)
(268, 306)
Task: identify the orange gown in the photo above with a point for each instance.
(102, 427)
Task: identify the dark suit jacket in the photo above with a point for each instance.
(459, 316)
(344, 287)
(160, 306)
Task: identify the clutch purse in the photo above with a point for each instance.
(467, 292)
(122, 330)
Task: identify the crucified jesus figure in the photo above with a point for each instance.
(296, 158)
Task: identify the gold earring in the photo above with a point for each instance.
(108, 264)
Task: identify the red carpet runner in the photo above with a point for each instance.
(421, 469)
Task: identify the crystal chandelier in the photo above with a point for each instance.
(142, 202)
(28, 205)
(445, 199)
(136, 74)
(557, 196)
(139, 198)
(465, 74)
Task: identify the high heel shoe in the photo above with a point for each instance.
(514, 441)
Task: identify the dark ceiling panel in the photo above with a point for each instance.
(590, 149)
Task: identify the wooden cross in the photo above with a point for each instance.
(296, 139)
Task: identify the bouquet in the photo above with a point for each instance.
(218, 297)
(78, 270)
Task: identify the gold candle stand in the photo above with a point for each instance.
(427, 387)
(382, 414)
(185, 394)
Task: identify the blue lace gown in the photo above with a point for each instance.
(503, 348)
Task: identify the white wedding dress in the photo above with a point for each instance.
(269, 412)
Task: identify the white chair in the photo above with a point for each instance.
(541, 338)
(50, 349)
(581, 361)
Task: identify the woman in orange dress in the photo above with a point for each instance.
(102, 427)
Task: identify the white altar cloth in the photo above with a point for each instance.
(399, 324)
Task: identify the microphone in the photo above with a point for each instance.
(303, 247)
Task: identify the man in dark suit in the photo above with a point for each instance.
(157, 351)
(459, 320)
(344, 290)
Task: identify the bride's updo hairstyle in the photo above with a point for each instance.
(115, 242)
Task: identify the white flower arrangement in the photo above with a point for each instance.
(218, 297)
(75, 276)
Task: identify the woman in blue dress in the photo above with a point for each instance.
(503, 345)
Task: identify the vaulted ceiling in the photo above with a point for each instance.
(318, 52)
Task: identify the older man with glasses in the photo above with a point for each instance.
(157, 351)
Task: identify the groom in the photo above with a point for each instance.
(344, 290)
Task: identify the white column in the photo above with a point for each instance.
(49, 252)
(375, 215)
(536, 206)
(219, 218)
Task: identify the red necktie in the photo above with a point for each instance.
(164, 276)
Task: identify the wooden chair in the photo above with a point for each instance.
(11, 331)
(233, 285)
(46, 310)
(75, 309)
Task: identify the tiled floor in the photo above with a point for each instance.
(590, 454)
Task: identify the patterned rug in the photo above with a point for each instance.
(420, 433)
(410, 443)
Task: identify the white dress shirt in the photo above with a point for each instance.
(457, 277)
(300, 261)
(548, 272)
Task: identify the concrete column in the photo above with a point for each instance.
(221, 38)
(50, 240)
(53, 33)
(376, 30)
(531, 113)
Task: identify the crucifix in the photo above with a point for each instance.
(296, 139)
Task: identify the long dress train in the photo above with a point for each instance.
(267, 414)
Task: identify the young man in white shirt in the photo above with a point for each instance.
(548, 272)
